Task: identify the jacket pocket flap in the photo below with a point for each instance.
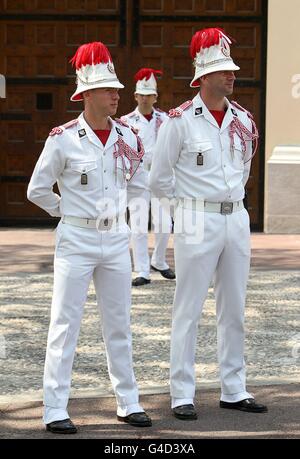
(199, 146)
(83, 166)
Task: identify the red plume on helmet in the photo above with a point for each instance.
(210, 49)
(206, 38)
(91, 53)
(146, 73)
(94, 69)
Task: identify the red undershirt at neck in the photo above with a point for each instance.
(102, 134)
(149, 117)
(218, 115)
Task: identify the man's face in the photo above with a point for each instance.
(146, 103)
(220, 83)
(103, 100)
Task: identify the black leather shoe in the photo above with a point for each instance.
(166, 273)
(138, 281)
(249, 405)
(137, 419)
(65, 426)
(185, 412)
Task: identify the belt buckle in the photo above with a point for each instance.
(226, 208)
(104, 224)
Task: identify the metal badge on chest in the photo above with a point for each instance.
(200, 160)
(84, 179)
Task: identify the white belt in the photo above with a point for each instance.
(102, 224)
(224, 208)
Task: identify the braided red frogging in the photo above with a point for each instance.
(122, 149)
(237, 127)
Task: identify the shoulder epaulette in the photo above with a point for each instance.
(60, 129)
(177, 112)
(70, 123)
(130, 115)
(56, 131)
(242, 109)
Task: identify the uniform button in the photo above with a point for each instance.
(104, 171)
(106, 187)
(104, 154)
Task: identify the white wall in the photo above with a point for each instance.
(283, 117)
(283, 110)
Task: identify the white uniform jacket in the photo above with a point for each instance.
(87, 173)
(147, 130)
(224, 172)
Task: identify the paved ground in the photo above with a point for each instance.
(31, 250)
(96, 418)
(272, 347)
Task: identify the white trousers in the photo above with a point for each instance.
(139, 238)
(225, 253)
(82, 254)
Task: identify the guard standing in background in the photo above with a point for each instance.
(147, 119)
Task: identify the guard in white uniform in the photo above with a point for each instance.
(147, 119)
(92, 239)
(208, 143)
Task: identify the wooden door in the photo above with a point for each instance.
(40, 36)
